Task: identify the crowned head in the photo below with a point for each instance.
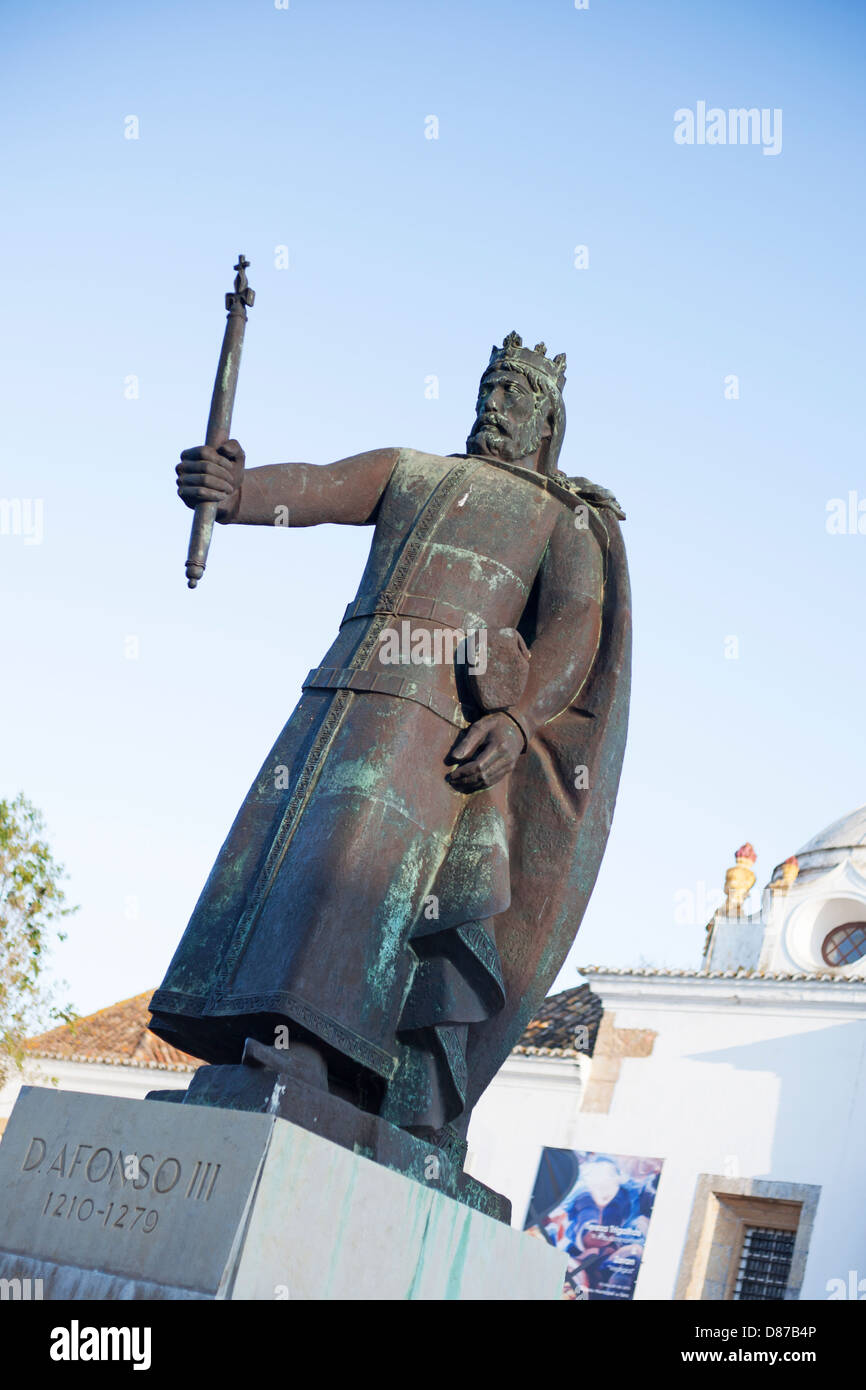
(520, 414)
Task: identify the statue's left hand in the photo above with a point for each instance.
(487, 752)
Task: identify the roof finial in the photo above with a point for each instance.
(740, 880)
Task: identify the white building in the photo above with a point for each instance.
(747, 1077)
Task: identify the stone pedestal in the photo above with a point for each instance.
(104, 1198)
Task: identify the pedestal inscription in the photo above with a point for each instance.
(118, 1186)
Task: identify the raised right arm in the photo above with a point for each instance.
(347, 492)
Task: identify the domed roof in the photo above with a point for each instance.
(843, 839)
(846, 833)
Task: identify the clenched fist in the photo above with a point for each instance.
(212, 475)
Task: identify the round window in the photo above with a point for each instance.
(845, 944)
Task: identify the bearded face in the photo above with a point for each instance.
(511, 418)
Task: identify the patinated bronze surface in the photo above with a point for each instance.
(219, 424)
(409, 869)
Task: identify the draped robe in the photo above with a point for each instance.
(359, 898)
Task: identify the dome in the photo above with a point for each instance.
(849, 832)
(842, 839)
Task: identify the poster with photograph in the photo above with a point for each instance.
(597, 1207)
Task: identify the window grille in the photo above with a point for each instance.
(845, 944)
(765, 1264)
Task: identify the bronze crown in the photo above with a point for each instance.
(513, 354)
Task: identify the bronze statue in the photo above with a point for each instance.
(410, 867)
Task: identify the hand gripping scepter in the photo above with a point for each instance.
(219, 422)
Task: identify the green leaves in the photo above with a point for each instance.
(32, 903)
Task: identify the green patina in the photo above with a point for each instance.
(341, 1223)
(398, 913)
(458, 1264)
(358, 774)
(481, 568)
(422, 1249)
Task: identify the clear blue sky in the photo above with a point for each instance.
(305, 127)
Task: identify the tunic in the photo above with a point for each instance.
(355, 898)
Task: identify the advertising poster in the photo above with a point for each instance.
(597, 1207)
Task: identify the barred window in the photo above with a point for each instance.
(765, 1264)
(845, 944)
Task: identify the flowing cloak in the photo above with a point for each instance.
(559, 833)
(410, 929)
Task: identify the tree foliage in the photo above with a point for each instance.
(32, 904)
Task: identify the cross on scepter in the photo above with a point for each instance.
(242, 290)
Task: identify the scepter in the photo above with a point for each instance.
(219, 423)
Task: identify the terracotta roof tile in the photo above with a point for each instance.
(118, 1035)
(554, 1030)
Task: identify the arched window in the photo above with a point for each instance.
(845, 944)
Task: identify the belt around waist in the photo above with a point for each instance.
(387, 683)
(433, 610)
